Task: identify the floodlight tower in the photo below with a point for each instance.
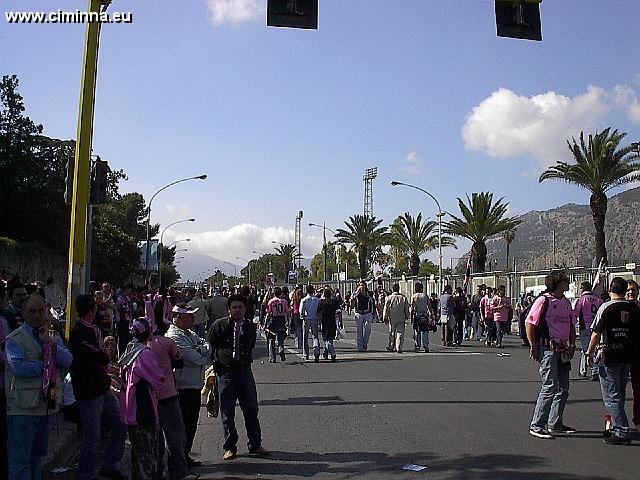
(369, 175)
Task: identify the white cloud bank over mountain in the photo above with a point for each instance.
(241, 240)
(506, 124)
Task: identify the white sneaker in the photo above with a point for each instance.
(540, 433)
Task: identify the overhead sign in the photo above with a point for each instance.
(293, 13)
(153, 254)
(630, 266)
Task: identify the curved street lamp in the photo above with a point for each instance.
(395, 184)
(324, 247)
(148, 247)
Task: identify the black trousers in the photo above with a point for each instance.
(189, 399)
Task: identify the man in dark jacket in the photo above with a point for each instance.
(96, 404)
(232, 340)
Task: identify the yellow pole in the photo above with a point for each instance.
(80, 199)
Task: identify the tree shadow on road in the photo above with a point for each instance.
(383, 465)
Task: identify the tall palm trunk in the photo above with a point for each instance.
(479, 256)
(507, 266)
(362, 261)
(414, 265)
(598, 204)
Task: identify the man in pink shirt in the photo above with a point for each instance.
(276, 324)
(500, 306)
(584, 312)
(552, 336)
(487, 316)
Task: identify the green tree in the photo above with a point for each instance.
(413, 237)
(287, 253)
(599, 166)
(428, 268)
(366, 237)
(481, 219)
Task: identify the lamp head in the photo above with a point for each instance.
(202, 177)
(395, 184)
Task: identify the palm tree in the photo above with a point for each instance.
(365, 236)
(413, 237)
(481, 220)
(600, 166)
(287, 252)
(508, 236)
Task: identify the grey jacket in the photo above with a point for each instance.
(196, 353)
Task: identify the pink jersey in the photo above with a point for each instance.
(166, 352)
(278, 307)
(586, 308)
(559, 316)
(485, 306)
(500, 307)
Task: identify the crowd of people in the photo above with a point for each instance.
(136, 359)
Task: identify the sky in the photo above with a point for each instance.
(283, 120)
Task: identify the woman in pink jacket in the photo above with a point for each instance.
(138, 401)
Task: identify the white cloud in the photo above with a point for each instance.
(412, 164)
(181, 209)
(241, 240)
(506, 124)
(235, 11)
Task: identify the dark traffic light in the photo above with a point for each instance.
(99, 181)
(518, 19)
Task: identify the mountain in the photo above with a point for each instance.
(574, 236)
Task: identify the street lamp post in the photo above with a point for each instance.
(439, 229)
(148, 247)
(263, 254)
(161, 245)
(324, 247)
(248, 266)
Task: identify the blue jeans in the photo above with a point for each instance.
(239, 386)
(554, 391)
(500, 329)
(95, 412)
(28, 443)
(585, 337)
(311, 325)
(613, 383)
(363, 330)
(297, 331)
(421, 339)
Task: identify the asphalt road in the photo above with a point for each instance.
(463, 413)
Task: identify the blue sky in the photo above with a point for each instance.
(285, 120)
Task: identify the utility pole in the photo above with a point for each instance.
(82, 165)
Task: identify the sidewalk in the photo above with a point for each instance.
(64, 442)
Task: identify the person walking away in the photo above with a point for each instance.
(36, 356)
(232, 341)
(395, 314)
(309, 314)
(363, 304)
(97, 405)
(447, 319)
(276, 324)
(200, 318)
(501, 309)
(296, 320)
(327, 310)
(171, 431)
(420, 318)
(552, 335)
(632, 296)
(196, 354)
(460, 308)
(616, 324)
(487, 317)
(142, 376)
(474, 306)
(585, 311)
(123, 318)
